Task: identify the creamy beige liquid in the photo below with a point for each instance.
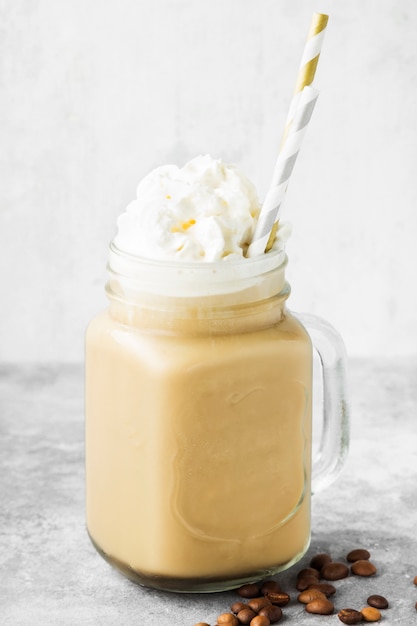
(198, 447)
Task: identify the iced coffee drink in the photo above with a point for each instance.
(198, 392)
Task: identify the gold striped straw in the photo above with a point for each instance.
(305, 77)
(282, 172)
(312, 50)
(308, 63)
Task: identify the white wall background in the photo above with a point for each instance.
(95, 93)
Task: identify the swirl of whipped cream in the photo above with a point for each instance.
(205, 211)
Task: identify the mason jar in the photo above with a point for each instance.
(199, 421)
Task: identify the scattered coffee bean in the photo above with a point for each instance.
(256, 604)
(260, 620)
(308, 571)
(415, 580)
(334, 571)
(360, 554)
(279, 598)
(363, 568)
(379, 602)
(227, 619)
(309, 595)
(305, 581)
(238, 606)
(245, 616)
(320, 560)
(250, 590)
(326, 588)
(266, 598)
(350, 616)
(320, 607)
(270, 585)
(272, 612)
(371, 614)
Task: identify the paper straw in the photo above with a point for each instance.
(283, 169)
(309, 60)
(308, 63)
(305, 77)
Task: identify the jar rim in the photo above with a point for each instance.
(272, 259)
(177, 278)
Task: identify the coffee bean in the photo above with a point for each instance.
(238, 606)
(273, 613)
(334, 571)
(320, 607)
(270, 585)
(256, 604)
(363, 568)
(325, 588)
(371, 614)
(250, 590)
(379, 602)
(415, 580)
(245, 616)
(305, 581)
(202, 624)
(320, 560)
(308, 571)
(227, 619)
(360, 554)
(350, 616)
(279, 598)
(309, 595)
(260, 620)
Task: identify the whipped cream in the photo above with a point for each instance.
(205, 211)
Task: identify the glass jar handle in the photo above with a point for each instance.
(331, 449)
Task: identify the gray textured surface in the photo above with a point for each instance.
(51, 575)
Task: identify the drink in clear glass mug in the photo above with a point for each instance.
(198, 421)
